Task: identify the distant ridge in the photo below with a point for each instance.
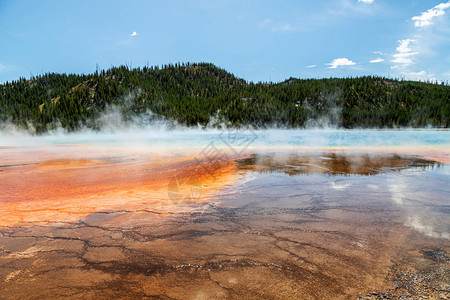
(202, 94)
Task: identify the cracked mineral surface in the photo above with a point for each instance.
(323, 224)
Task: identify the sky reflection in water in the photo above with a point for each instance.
(419, 188)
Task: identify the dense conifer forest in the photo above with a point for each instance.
(203, 94)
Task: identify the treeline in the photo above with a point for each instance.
(201, 94)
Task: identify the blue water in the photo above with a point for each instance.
(244, 138)
(362, 138)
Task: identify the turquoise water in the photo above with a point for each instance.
(243, 138)
(336, 138)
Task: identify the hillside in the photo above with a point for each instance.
(201, 94)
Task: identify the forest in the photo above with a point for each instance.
(201, 94)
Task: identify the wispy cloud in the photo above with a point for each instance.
(425, 19)
(311, 66)
(366, 1)
(2, 67)
(379, 52)
(276, 26)
(404, 58)
(376, 60)
(420, 75)
(284, 27)
(265, 23)
(404, 53)
(134, 33)
(339, 62)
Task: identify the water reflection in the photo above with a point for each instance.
(330, 232)
(333, 163)
(423, 198)
(416, 186)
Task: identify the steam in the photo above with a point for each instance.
(147, 132)
(149, 129)
(332, 116)
(122, 125)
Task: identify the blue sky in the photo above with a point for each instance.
(254, 39)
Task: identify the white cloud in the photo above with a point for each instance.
(366, 1)
(134, 33)
(376, 60)
(425, 19)
(379, 52)
(311, 66)
(420, 73)
(404, 53)
(265, 23)
(404, 58)
(404, 45)
(407, 50)
(285, 27)
(276, 26)
(338, 62)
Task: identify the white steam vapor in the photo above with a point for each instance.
(150, 130)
